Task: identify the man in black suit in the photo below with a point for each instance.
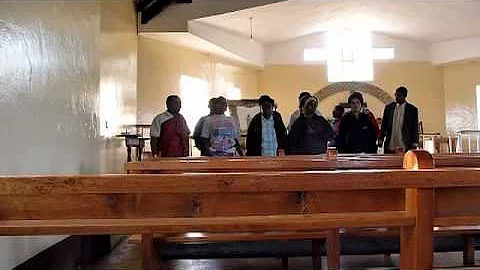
(399, 124)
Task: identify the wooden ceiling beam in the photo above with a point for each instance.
(151, 8)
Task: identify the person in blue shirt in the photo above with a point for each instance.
(266, 133)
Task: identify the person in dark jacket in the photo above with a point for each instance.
(266, 133)
(357, 132)
(310, 133)
(399, 124)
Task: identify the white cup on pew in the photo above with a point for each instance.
(331, 150)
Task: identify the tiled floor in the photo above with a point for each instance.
(127, 256)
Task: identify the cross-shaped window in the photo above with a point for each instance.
(349, 55)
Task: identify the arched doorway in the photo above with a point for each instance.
(361, 87)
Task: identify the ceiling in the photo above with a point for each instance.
(426, 20)
(195, 43)
(175, 17)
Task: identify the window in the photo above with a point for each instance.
(227, 89)
(233, 93)
(196, 92)
(194, 95)
(349, 55)
(477, 95)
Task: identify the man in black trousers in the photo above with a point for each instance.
(399, 124)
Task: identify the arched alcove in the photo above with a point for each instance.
(361, 87)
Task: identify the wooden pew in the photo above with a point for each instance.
(414, 201)
(292, 163)
(253, 164)
(122, 204)
(246, 164)
(29, 202)
(456, 160)
(298, 163)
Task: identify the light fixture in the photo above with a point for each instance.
(251, 29)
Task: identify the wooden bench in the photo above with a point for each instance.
(301, 163)
(50, 205)
(188, 202)
(414, 201)
(258, 164)
(291, 163)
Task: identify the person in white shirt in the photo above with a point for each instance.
(399, 124)
(296, 114)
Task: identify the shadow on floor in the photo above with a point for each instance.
(127, 256)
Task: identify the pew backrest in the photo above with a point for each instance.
(234, 202)
(292, 163)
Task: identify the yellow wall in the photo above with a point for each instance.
(118, 72)
(161, 64)
(118, 47)
(445, 96)
(424, 81)
(284, 82)
(459, 86)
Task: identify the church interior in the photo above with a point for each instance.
(83, 82)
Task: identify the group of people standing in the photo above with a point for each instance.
(308, 132)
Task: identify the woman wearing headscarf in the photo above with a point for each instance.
(310, 133)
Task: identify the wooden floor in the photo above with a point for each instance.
(127, 256)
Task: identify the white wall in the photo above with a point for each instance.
(291, 52)
(50, 55)
(455, 50)
(405, 50)
(250, 50)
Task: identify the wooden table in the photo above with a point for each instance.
(133, 140)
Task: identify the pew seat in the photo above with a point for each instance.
(360, 241)
(350, 245)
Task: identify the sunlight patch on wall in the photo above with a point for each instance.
(194, 95)
(109, 110)
(196, 92)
